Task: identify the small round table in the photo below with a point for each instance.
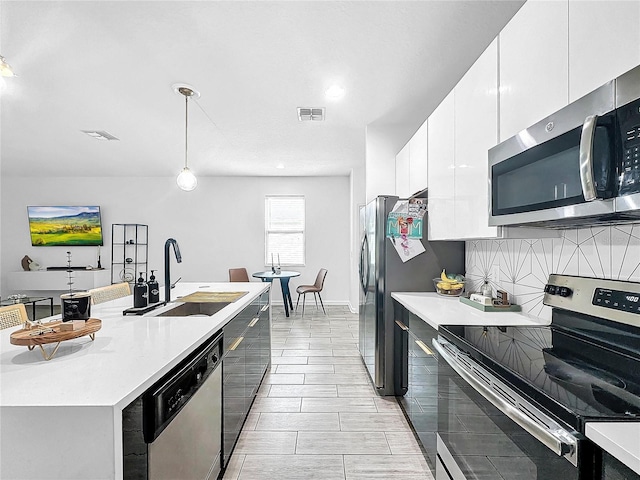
(284, 277)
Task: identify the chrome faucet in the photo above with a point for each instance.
(167, 274)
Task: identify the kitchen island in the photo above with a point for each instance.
(62, 419)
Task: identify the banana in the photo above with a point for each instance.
(444, 278)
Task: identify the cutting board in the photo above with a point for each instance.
(212, 297)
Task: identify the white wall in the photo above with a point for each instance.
(357, 200)
(218, 226)
(383, 142)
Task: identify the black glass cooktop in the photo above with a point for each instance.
(578, 369)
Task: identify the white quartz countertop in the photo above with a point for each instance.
(620, 439)
(128, 355)
(438, 310)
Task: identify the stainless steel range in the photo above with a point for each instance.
(548, 382)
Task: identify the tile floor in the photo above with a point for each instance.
(317, 416)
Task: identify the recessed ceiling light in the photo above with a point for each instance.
(334, 92)
(99, 134)
(280, 165)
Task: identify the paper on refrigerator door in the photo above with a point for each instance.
(407, 248)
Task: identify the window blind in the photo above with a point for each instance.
(284, 229)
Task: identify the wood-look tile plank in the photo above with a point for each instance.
(373, 422)
(289, 360)
(276, 404)
(403, 443)
(355, 404)
(284, 379)
(322, 391)
(266, 442)
(388, 405)
(292, 467)
(306, 352)
(344, 443)
(305, 369)
(335, 360)
(356, 391)
(405, 467)
(234, 466)
(297, 422)
(335, 379)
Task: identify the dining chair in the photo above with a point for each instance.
(13, 315)
(110, 292)
(316, 288)
(238, 275)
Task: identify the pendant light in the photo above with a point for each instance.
(186, 180)
(5, 68)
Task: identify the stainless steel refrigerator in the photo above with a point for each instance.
(382, 272)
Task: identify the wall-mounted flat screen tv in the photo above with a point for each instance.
(65, 226)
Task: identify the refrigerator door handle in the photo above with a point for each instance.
(364, 264)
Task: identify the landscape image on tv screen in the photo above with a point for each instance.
(65, 226)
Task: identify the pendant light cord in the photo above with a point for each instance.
(186, 128)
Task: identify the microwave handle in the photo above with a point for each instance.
(586, 158)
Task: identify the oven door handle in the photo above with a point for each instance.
(554, 437)
(586, 158)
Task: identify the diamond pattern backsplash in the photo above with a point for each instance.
(522, 267)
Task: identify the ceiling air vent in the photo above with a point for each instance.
(99, 134)
(310, 114)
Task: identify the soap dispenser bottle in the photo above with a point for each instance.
(140, 293)
(154, 289)
(486, 290)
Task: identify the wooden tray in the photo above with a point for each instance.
(30, 338)
(490, 308)
(212, 297)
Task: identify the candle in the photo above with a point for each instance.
(278, 259)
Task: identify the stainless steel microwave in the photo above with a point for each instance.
(579, 166)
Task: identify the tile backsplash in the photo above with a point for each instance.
(522, 267)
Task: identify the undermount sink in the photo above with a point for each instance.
(189, 309)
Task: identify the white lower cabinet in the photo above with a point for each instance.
(604, 42)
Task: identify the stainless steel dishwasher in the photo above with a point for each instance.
(182, 418)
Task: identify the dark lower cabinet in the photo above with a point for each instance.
(614, 469)
(420, 402)
(246, 358)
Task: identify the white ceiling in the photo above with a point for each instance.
(109, 65)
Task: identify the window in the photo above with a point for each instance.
(284, 230)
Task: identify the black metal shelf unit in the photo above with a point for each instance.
(129, 251)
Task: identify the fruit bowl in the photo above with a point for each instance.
(448, 289)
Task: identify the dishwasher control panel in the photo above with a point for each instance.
(162, 402)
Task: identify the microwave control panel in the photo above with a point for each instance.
(629, 121)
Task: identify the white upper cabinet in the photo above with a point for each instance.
(534, 67)
(402, 172)
(440, 181)
(604, 41)
(418, 160)
(476, 131)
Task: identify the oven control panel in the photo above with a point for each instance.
(617, 300)
(614, 300)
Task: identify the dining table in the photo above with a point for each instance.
(284, 276)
